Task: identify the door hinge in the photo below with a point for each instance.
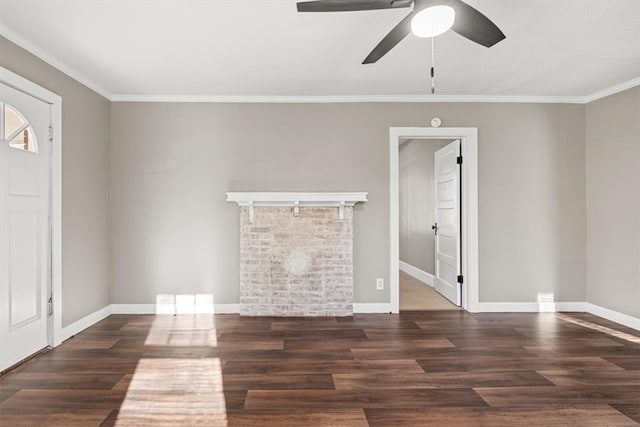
(459, 160)
(50, 305)
(50, 133)
(460, 279)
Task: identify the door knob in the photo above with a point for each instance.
(434, 227)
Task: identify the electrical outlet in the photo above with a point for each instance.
(379, 284)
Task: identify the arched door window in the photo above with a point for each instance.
(15, 129)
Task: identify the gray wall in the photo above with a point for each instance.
(613, 202)
(173, 231)
(417, 204)
(85, 181)
(171, 165)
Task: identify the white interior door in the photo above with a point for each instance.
(447, 217)
(24, 225)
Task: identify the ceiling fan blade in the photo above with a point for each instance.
(474, 25)
(394, 37)
(350, 5)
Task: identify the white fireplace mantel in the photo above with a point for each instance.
(297, 200)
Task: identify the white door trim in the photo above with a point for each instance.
(23, 85)
(469, 149)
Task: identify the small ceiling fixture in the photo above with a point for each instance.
(429, 18)
(429, 23)
(460, 17)
(433, 21)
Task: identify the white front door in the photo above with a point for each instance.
(447, 216)
(24, 225)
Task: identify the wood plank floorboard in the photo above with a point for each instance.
(594, 415)
(449, 352)
(278, 382)
(56, 381)
(631, 363)
(576, 350)
(352, 344)
(64, 399)
(535, 395)
(585, 377)
(5, 393)
(323, 367)
(413, 369)
(631, 411)
(501, 363)
(364, 398)
(439, 380)
(552, 343)
(288, 418)
(51, 418)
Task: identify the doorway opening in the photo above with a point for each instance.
(428, 197)
(467, 263)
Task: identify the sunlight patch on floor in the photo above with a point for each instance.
(172, 392)
(622, 335)
(183, 331)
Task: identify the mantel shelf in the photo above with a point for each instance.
(297, 200)
(303, 199)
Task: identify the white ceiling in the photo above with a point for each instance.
(567, 48)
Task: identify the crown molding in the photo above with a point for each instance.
(11, 35)
(612, 90)
(240, 99)
(268, 99)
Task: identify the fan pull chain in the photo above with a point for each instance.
(433, 63)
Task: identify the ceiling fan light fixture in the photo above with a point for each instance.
(433, 21)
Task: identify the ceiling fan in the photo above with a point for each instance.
(429, 18)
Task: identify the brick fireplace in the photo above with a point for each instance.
(296, 253)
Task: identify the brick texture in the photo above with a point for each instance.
(296, 266)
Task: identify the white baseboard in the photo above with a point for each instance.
(372, 307)
(614, 316)
(235, 308)
(506, 307)
(82, 324)
(421, 275)
(227, 308)
(133, 309)
(527, 307)
(578, 307)
(170, 309)
(231, 308)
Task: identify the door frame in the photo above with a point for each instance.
(469, 207)
(55, 281)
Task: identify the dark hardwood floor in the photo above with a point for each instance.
(431, 368)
